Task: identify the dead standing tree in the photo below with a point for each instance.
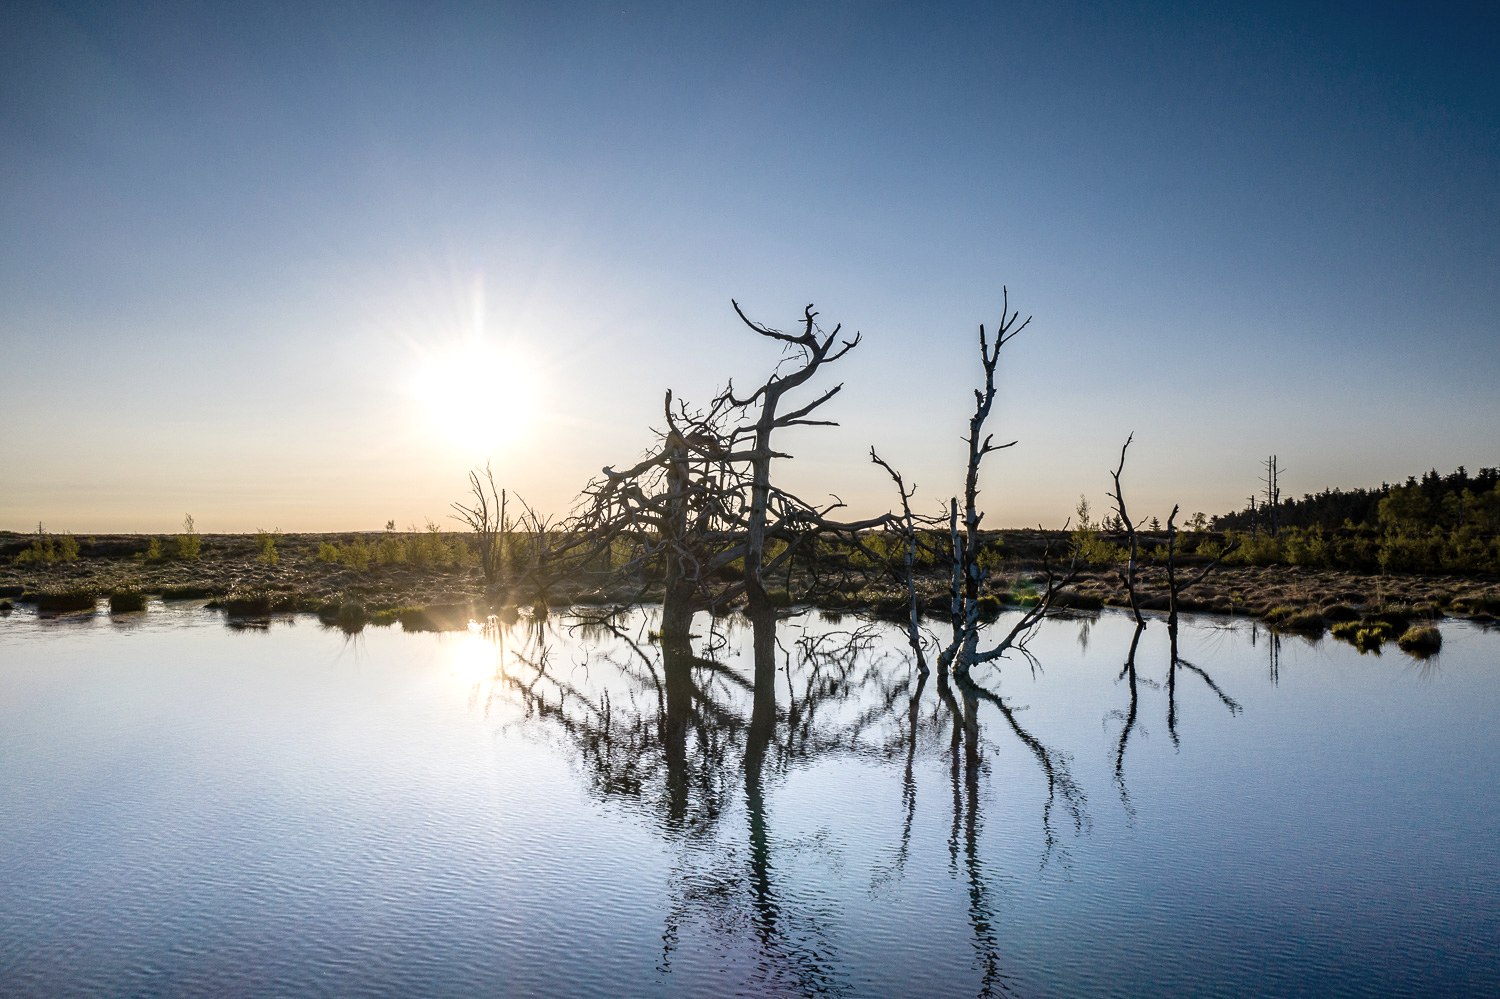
(1132, 558)
(966, 575)
(703, 500)
(497, 534)
(486, 517)
(772, 512)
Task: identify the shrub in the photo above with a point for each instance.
(45, 549)
(357, 554)
(189, 544)
(267, 543)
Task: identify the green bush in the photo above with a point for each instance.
(266, 541)
(46, 549)
(189, 544)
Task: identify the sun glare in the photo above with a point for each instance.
(476, 398)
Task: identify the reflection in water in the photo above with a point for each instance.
(1178, 661)
(672, 729)
(789, 809)
(1130, 716)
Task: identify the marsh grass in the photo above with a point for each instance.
(256, 603)
(1296, 620)
(347, 615)
(126, 601)
(1420, 640)
(1366, 635)
(62, 601)
(189, 592)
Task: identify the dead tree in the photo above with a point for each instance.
(701, 507)
(1128, 577)
(486, 517)
(1175, 586)
(907, 531)
(966, 576)
(772, 512)
(1272, 504)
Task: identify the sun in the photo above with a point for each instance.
(476, 397)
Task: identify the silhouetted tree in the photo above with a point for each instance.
(702, 508)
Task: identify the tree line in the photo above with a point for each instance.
(1436, 523)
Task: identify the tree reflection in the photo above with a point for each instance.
(672, 728)
(1130, 715)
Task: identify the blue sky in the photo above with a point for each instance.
(237, 236)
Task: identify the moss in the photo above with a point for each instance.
(1420, 640)
(990, 607)
(1340, 612)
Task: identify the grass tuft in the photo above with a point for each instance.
(126, 601)
(1420, 640)
(63, 601)
(243, 603)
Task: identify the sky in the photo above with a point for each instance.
(302, 266)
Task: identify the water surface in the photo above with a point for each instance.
(565, 808)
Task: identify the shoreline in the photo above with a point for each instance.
(232, 571)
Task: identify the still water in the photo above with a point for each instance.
(561, 808)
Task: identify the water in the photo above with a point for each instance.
(558, 809)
